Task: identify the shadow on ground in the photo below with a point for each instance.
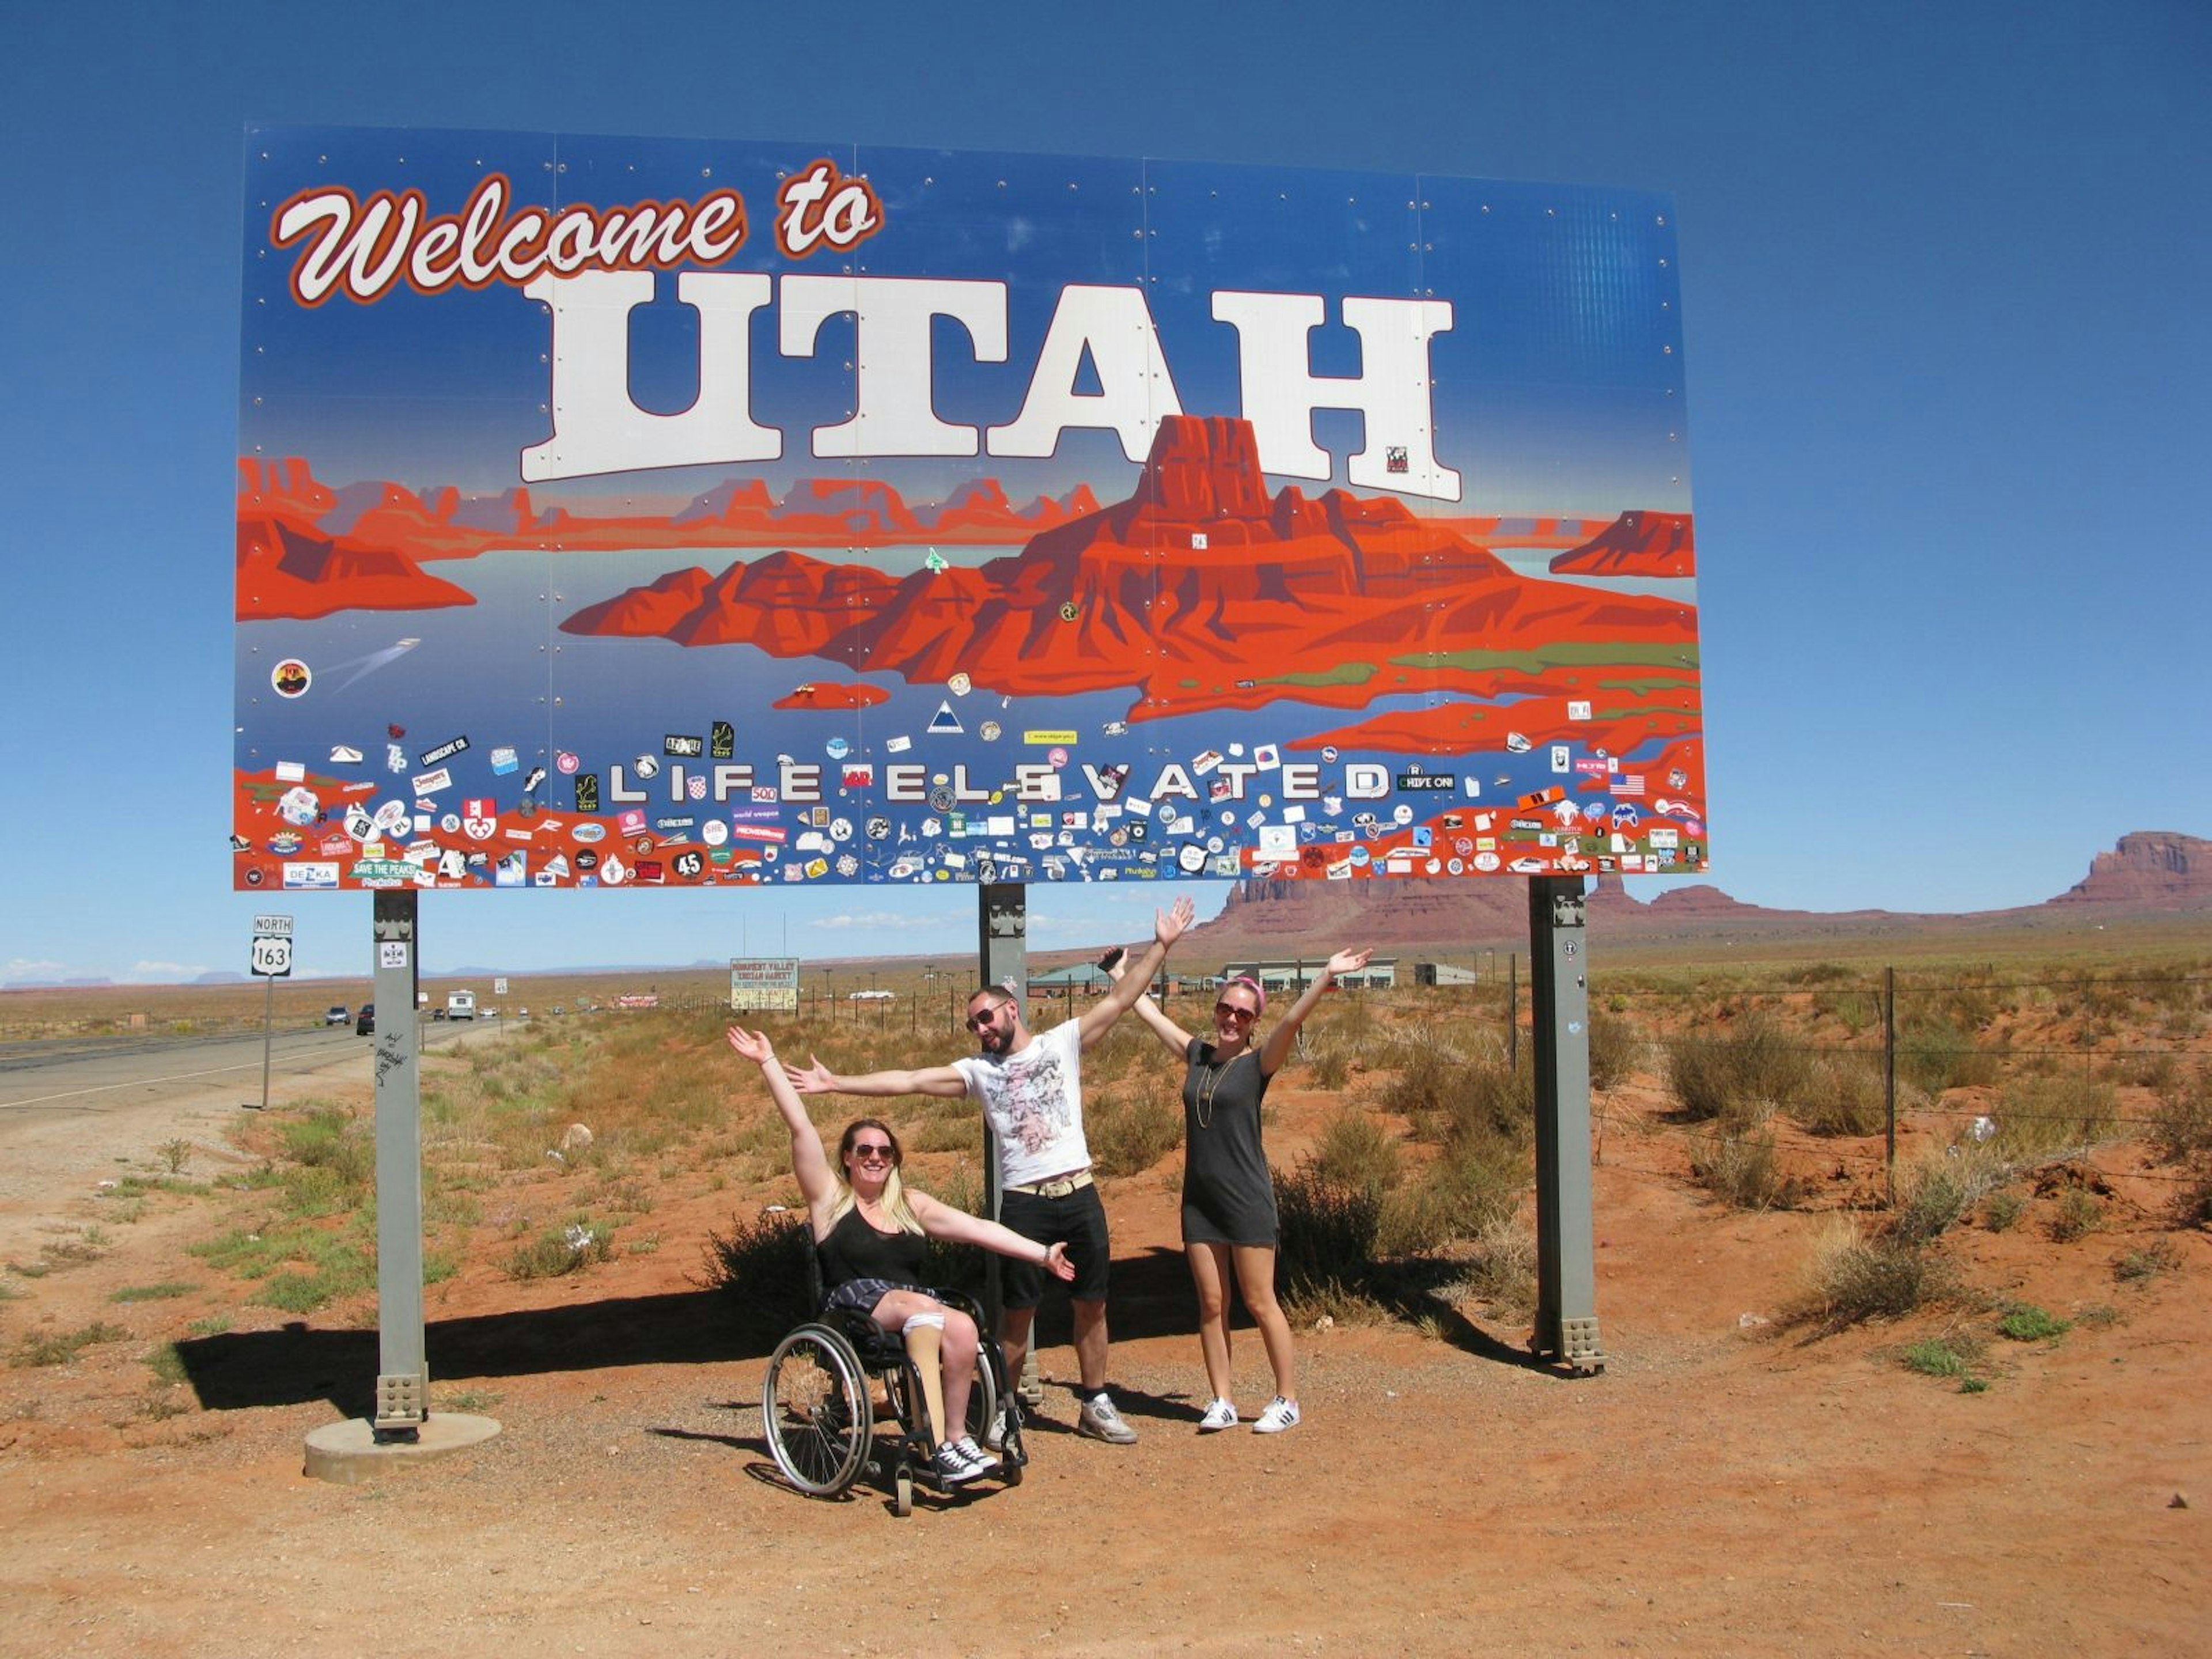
(1150, 1296)
(298, 1364)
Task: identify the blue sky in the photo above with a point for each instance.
(1943, 270)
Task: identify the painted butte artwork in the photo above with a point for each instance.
(827, 680)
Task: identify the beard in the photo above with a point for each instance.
(997, 1039)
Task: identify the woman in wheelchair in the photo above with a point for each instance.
(868, 1237)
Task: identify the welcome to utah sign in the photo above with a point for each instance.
(625, 512)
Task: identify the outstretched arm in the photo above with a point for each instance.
(943, 1221)
(817, 1182)
(816, 1078)
(1277, 1049)
(1172, 1036)
(1167, 927)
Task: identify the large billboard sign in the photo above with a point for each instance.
(628, 511)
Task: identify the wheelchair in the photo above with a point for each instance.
(823, 1426)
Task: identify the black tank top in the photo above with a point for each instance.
(853, 1249)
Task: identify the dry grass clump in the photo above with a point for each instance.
(1742, 1169)
(1130, 1126)
(1738, 1077)
(1843, 1095)
(2038, 1117)
(1938, 1192)
(1938, 1050)
(1618, 1047)
(1851, 1278)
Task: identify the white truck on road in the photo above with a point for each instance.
(461, 1004)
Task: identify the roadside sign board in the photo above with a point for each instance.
(678, 513)
(764, 984)
(271, 956)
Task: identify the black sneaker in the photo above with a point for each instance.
(954, 1466)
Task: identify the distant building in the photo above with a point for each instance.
(1381, 973)
(1443, 972)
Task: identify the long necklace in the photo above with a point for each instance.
(1210, 1079)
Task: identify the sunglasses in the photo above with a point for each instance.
(873, 1154)
(977, 1022)
(1242, 1016)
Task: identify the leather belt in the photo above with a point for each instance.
(1059, 1189)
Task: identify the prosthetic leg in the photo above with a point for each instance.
(925, 1337)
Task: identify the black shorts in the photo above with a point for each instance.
(1077, 1221)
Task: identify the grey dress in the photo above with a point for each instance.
(1228, 1196)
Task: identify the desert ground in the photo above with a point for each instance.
(1738, 1479)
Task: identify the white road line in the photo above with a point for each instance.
(140, 1083)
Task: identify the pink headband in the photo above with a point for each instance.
(1258, 990)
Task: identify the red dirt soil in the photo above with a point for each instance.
(1726, 1486)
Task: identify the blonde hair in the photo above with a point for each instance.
(894, 1200)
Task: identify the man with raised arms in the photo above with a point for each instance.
(1030, 1087)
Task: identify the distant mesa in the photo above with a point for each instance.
(2147, 875)
(1637, 544)
(1201, 590)
(385, 531)
(2148, 870)
(824, 693)
(290, 565)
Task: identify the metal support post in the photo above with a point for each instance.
(1567, 1256)
(1002, 920)
(402, 1379)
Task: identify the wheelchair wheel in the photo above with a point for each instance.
(815, 1408)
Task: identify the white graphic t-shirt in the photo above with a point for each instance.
(1033, 1101)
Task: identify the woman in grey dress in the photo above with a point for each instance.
(1228, 1196)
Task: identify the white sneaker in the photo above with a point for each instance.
(1101, 1421)
(994, 1437)
(1218, 1416)
(1280, 1414)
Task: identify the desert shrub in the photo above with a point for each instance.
(2181, 1120)
(1939, 1191)
(1934, 1053)
(1737, 1078)
(328, 1140)
(764, 1266)
(2137, 1266)
(1500, 1264)
(1742, 1169)
(1843, 1095)
(1851, 1278)
(955, 1267)
(2024, 1321)
(1937, 1356)
(1355, 1149)
(1134, 1124)
(1443, 1095)
(1332, 1066)
(1329, 1231)
(1616, 1048)
(2077, 1215)
(2038, 1116)
(554, 1250)
(2192, 1202)
(2001, 1211)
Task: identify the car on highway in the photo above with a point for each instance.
(364, 1023)
(336, 1014)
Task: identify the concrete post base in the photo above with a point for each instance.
(349, 1452)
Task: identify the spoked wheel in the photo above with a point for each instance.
(991, 1392)
(815, 1407)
